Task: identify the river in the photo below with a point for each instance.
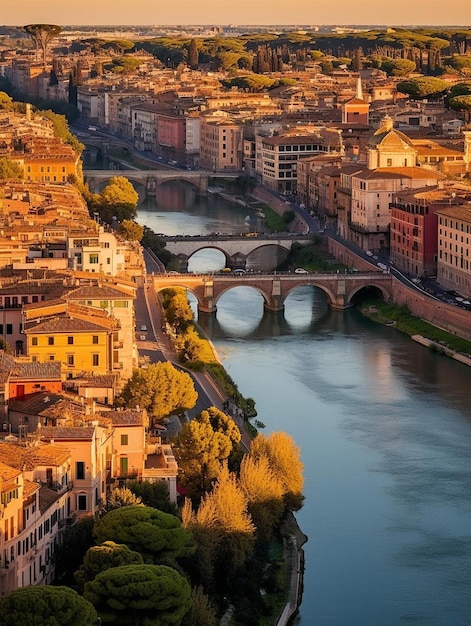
(384, 430)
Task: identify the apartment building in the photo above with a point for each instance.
(220, 143)
(277, 156)
(454, 248)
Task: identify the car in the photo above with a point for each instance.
(142, 337)
(173, 273)
(369, 253)
(300, 270)
(238, 270)
(143, 327)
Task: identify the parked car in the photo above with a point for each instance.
(143, 327)
(300, 270)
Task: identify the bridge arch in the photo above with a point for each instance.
(329, 294)
(373, 285)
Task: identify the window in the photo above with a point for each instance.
(34, 341)
(93, 259)
(95, 339)
(82, 502)
(80, 470)
(95, 360)
(124, 440)
(70, 341)
(70, 360)
(9, 329)
(50, 341)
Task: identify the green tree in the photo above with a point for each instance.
(423, 87)
(398, 67)
(159, 537)
(69, 553)
(103, 557)
(189, 346)
(118, 199)
(43, 605)
(462, 103)
(200, 447)
(10, 169)
(42, 35)
(161, 389)
(61, 130)
(5, 101)
(154, 495)
(151, 595)
(284, 460)
(131, 230)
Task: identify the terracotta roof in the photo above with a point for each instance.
(459, 212)
(130, 417)
(65, 324)
(35, 403)
(37, 371)
(98, 381)
(7, 471)
(98, 292)
(28, 458)
(67, 433)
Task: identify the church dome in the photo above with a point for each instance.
(388, 137)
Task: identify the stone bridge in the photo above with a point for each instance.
(275, 288)
(151, 179)
(236, 249)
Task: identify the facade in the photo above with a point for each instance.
(220, 143)
(277, 156)
(454, 248)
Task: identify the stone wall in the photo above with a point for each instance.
(446, 316)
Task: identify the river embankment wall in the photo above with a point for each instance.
(440, 314)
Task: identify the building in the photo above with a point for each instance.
(220, 143)
(454, 248)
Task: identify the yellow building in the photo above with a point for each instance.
(83, 339)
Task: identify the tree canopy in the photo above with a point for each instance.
(44, 605)
(100, 558)
(159, 537)
(152, 595)
(42, 35)
(423, 87)
(131, 230)
(10, 169)
(118, 199)
(161, 389)
(200, 447)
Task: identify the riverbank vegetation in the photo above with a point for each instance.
(402, 319)
(312, 256)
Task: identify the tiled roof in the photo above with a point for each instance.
(37, 371)
(28, 458)
(65, 324)
(129, 417)
(98, 292)
(67, 433)
(35, 403)
(98, 381)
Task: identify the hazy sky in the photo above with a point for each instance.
(96, 12)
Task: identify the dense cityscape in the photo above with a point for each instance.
(357, 138)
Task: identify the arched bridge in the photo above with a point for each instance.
(235, 248)
(275, 288)
(150, 179)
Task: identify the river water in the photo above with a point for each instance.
(384, 431)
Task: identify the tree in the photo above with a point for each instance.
(397, 67)
(223, 514)
(103, 557)
(426, 86)
(118, 199)
(159, 537)
(10, 169)
(42, 35)
(161, 389)
(178, 312)
(200, 447)
(152, 595)
(154, 495)
(189, 346)
(121, 497)
(43, 605)
(193, 55)
(131, 230)
(70, 551)
(462, 103)
(264, 493)
(283, 459)
(5, 101)
(202, 613)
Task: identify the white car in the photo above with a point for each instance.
(143, 327)
(300, 270)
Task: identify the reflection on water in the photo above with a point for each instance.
(384, 429)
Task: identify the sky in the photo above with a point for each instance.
(223, 12)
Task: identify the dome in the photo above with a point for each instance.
(388, 137)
